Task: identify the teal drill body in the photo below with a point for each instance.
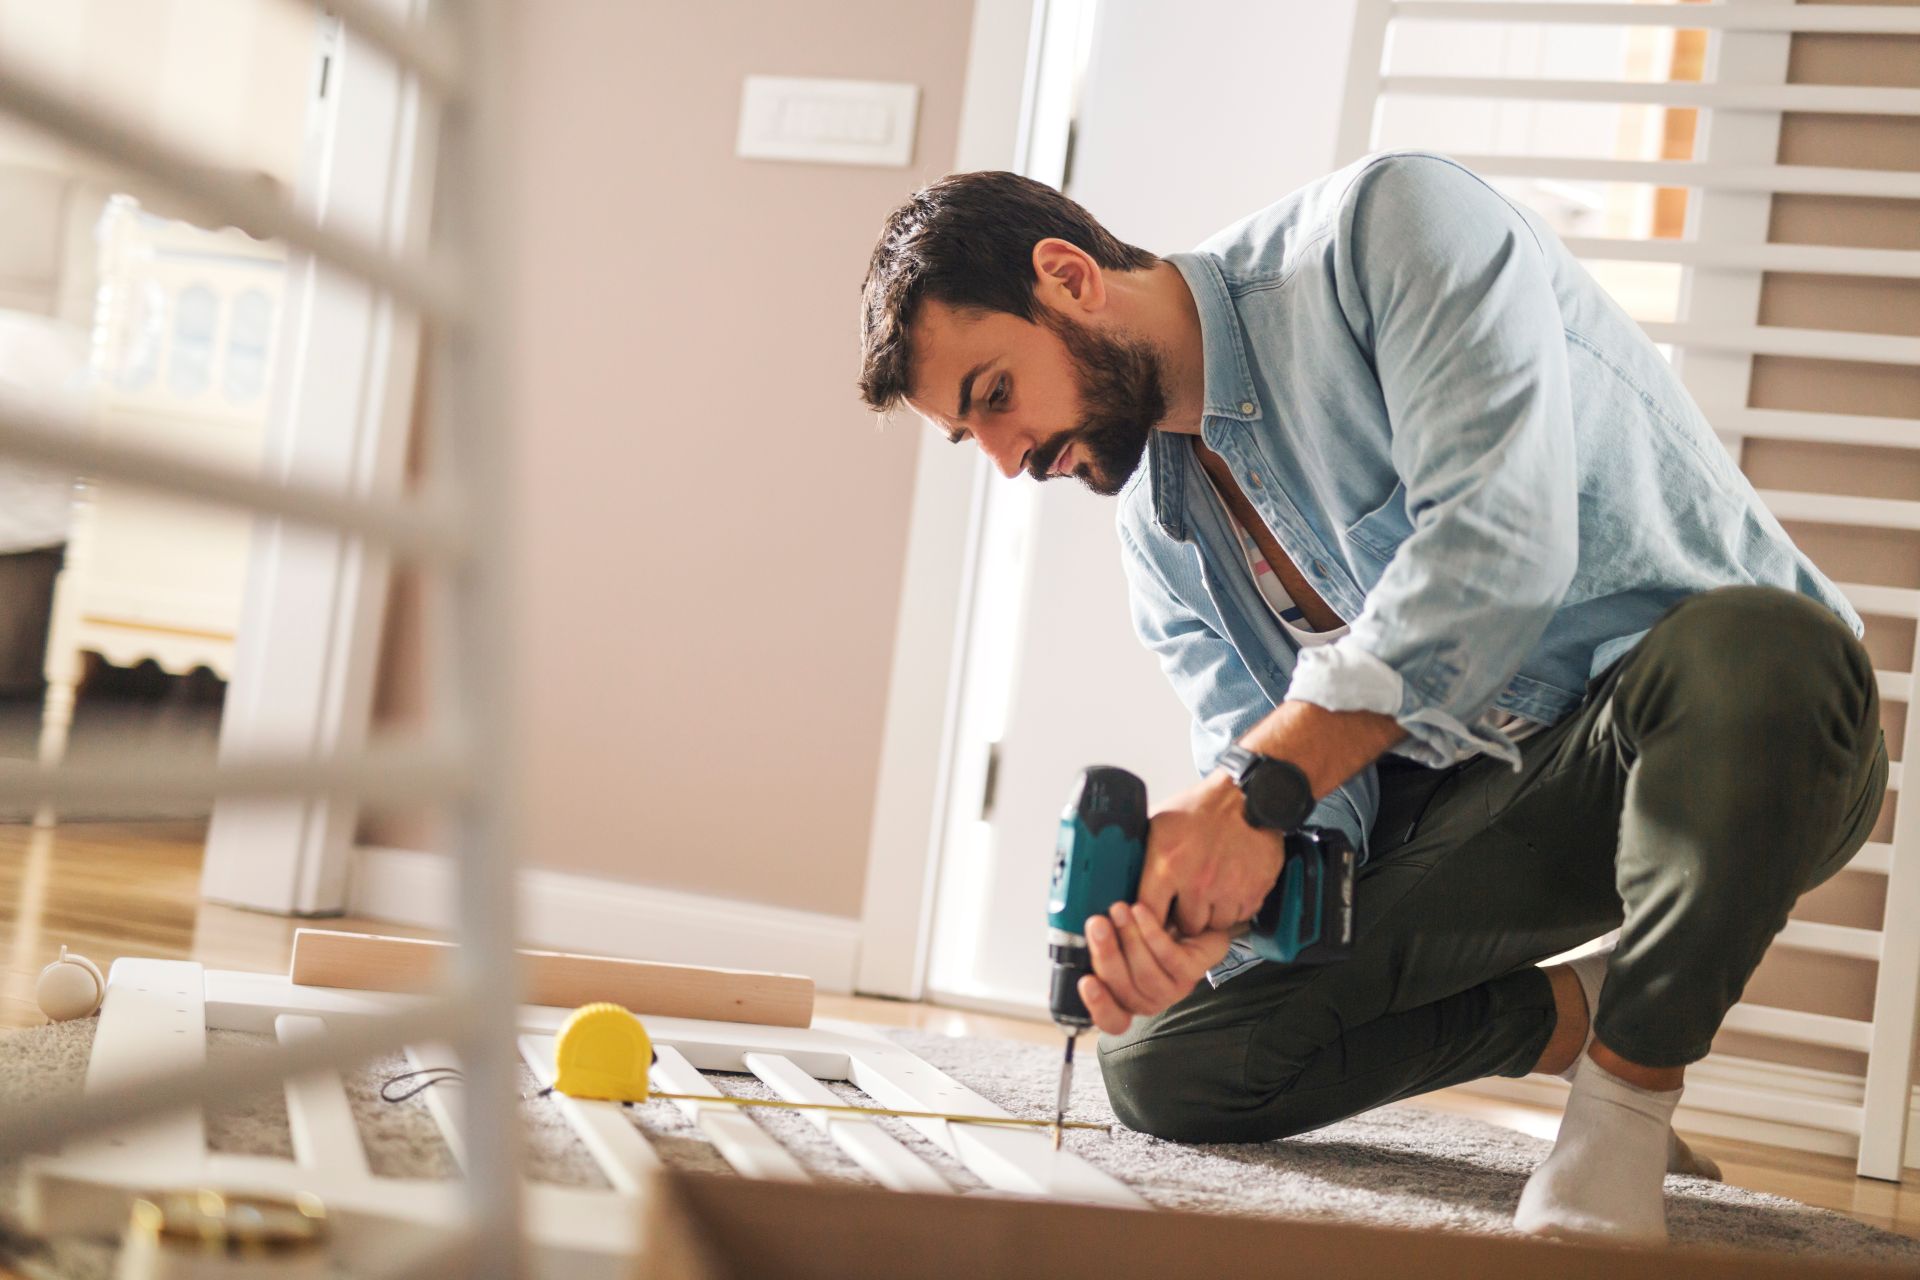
(1097, 861)
(1102, 849)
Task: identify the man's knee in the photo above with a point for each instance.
(1755, 650)
(1191, 1087)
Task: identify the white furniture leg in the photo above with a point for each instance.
(56, 714)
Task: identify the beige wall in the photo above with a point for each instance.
(714, 527)
(1800, 980)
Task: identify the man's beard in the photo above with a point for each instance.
(1123, 393)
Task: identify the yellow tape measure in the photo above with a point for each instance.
(603, 1052)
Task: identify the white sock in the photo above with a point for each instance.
(1592, 971)
(1604, 1175)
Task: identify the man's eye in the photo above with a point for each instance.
(998, 399)
(959, 437)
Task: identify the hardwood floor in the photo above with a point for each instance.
(107, 890)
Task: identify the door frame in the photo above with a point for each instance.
(918, 769)
(315, 602)
(929, 649)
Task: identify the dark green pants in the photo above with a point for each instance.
(1729, 763)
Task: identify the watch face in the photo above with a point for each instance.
(1278, 796)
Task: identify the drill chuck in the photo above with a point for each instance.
(1071, 962)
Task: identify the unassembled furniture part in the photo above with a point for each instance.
(370, 962)
(1735, 171)
(157, 1014)
(448, 93)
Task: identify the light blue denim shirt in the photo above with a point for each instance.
(1466, 447)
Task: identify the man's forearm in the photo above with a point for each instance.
(1328, 746)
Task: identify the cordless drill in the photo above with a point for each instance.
(1102, 848)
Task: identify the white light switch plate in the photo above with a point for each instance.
(835, 121)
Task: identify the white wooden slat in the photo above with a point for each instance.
(1836, 99)
(1885, 602)
(870, 1146)
(605, 1128)
(406, 770)
(1886, 1102)
(1018, 1160)
(1814, 1113)
(1851, 18)
(1842, 509)
(443, 1099)
(1895, 686)
(407, 528)
(1704, 175)
(746, 1146)
(153, 1020)
(1776, 340)
(1875, 858)
(224, 195)
(325, 1134)
(1830, 939)
(1804, 1028)
(1818, 428)
(1896, 775)
(1814, 259)
(1366, 53)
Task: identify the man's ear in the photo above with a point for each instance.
(1066, 278)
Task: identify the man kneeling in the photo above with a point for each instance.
(1435, 547)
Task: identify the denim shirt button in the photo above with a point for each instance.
(1246, 406)
(1255, 477)
(1319, 569)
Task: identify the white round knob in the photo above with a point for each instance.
(70, 987)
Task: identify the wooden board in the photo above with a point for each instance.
(152, 1020)
(872, 1148)
(370, 962)
(319, 1115)
(702, 1227)
(750, 1149)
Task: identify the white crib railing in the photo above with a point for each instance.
(1733, 177)
(464, 759)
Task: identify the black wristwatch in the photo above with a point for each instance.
(1278, 797)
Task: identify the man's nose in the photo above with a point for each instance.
(1010, 455)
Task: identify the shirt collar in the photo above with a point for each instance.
(1227, 391)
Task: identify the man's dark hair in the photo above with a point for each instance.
(966, 240)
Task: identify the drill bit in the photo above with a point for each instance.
(1066, 1088)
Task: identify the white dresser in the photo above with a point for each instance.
(182, 349)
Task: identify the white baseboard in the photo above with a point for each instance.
(611, 917)
(1751, 1076)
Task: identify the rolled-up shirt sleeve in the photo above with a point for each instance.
(1220, 694)
(1448, 288)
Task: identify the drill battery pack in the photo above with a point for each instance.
(1308, 918)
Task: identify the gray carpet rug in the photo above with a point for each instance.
(1400, 1167)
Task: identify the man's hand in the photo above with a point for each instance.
(1206, 862)
(1139, 968)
